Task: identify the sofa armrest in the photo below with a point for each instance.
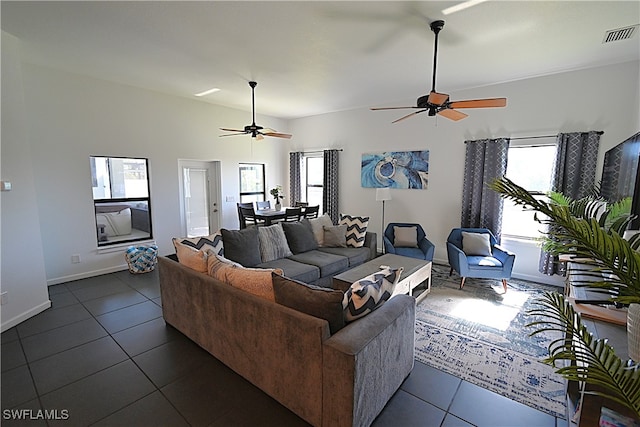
(427, 247)
(371, 242)
(457, 259)
(366, 362)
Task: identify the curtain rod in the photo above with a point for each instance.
(545, 136)
(318, 151)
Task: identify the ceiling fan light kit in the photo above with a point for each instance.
(439, 103)
(256, 132)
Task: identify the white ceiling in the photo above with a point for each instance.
(313, 57)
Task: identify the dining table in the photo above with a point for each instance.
(271, 215)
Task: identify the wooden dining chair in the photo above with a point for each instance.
(311, 211)
(292, 214)
(263, 205)
(246, 215)
(300, 204)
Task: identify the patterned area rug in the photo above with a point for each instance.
(479, 334)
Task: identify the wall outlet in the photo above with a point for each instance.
(75, 259)
(4, 298)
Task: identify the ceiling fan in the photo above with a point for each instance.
(257, 132)
(439, 103)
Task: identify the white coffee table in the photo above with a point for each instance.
(415, 272)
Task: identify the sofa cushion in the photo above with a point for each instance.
(356, 256)
(273, 243)
(300, 236)
(478, 244)
(329, 264)
(242, 246)
(369, 293)
(317, 226)
(190, 256)
(405, 237)
(356, 229)
(213, 242)
(256, 281)
(217, 266)
(295, 270)
(335, 236)
(313, 300)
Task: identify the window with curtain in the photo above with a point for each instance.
(313, 180)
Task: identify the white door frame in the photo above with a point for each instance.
(213, 167)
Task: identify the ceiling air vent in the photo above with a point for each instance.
(620, 34)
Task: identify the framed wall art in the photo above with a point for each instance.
(395, 169)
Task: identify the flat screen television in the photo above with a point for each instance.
(620, 177)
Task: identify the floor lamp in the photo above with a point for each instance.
(382, 195)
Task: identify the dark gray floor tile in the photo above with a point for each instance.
(17, 387)
(152, 410)
(420, 384)
(62, 299)
(63, 338)
(170, 361)
(452, 421)
(151, 290)
(118, 320)
(99, 395)
(9, 335)
(12, 355)
(146, 336)
(25, 415)
(93, 292)
(102, 280)
(406, 410)
(479, 407)
(53, 318)
(137, 280)
(56, 289)
(113, 302)
(68, 366)
(157, 301)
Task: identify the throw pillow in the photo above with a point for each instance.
(242, 246)
(335, 236)
(366, 295)
(217, 266)
(317, 226)
(356, 229)
(191, 257)
(478, 244)
(273, 243)
(256, 281)
(213, 242)
(299, 236)
(323, 303)
(405, 237)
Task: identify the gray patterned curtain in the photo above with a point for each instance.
(574, 175)
(485, 160)
(330, 184)
(295, 191)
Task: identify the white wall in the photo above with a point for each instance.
(22, 261)
(597, 99)
(71, 117)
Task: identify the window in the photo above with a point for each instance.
(312, 180)
(252, 188)
(121, 200)
(530, 167)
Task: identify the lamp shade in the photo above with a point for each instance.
(383, 194)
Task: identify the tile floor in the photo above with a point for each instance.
(102, 355)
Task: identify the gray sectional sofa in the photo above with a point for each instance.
(308, 262)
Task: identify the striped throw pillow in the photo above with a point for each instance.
(356, 229)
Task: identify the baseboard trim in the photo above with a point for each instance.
(24, 316)
(86, 274)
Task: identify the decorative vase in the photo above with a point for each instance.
(278, 206)
(633, 331)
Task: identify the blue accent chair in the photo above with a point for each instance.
(424, 250)
(497, 266)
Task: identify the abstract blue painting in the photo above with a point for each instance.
(396, 169)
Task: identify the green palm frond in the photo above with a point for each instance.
(590, 360)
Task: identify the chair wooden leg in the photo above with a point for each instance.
(450, 272)
(462, 282)
(504, 285)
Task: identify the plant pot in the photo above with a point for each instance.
(633, 331)
(278, 205)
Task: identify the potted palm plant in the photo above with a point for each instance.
(277, 195)
(617, 264)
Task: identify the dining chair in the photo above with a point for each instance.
(263, 205)
(246, 215)
(292, 214)
(300, 204)
(311, 211)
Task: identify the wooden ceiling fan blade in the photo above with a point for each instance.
(480, 103)
(234, 134)
(277, 135)
(408, 115)
(436, 98)
(259, 137)
(390, 108)
(452, 114)
(232, 130)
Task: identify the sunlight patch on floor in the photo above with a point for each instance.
(498, 316)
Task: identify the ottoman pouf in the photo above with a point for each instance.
(141, 259)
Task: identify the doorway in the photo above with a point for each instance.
(199, 197)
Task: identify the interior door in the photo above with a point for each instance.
(199, 197)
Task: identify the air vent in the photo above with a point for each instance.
(620, 34)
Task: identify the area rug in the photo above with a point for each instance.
(479, 334)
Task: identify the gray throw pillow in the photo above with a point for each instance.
(323, 303)
(273, 243)
(335, 236)
(478, 244)
(405, 237)
(299, 236)
(242, 246)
